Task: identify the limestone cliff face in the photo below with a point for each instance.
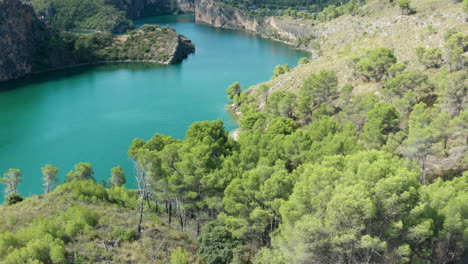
(186, 6)
(217, 14)
(183, 48)
(285, 30)
(21, 32)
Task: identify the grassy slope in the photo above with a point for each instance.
(155, 244)
(379, 24)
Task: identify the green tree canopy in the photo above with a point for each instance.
(11, 179)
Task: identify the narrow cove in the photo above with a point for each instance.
(92, 113)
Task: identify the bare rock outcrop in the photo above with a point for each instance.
(218, 14)
(21, 33)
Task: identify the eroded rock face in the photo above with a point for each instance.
(216, 14)
(183, 48)
(186, 6)
(21, 32)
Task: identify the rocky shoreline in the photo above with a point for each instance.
(217, 14)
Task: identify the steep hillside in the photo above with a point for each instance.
(357, 155)
(110, 15)
(81, 222)
(425, 50)
(379, 24)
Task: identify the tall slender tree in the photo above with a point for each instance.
(50, 176)
(11, 179)
(117, 176)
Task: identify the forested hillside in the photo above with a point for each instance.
(357, 155)
(99, 15)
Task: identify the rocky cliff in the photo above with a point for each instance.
(186, 6)
(21, 32)
(218, 14)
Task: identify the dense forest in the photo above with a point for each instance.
(318, 173)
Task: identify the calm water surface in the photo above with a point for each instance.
(92, 113)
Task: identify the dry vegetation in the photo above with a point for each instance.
(379, 24)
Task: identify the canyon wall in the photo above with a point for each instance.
(218, 14)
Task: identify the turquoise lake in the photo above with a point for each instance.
(92, 113)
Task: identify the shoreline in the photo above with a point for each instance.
(258, 34)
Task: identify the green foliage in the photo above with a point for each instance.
(330, 209)
(455, 47)
(86, 14)
(147, 43)
(413, 80)
(281, 103)
(453, 92)
(234, 90)
(44, 240)
(179, 256)
(83, 171)
(375, 64)
(250, 119)
(84, 190)
(430, 58)
(117, 177)
(333, 11)
(216, 244)
(405, 6)
(356, 111)
(13, 198)
(316, 90)
(50, 176)
(303, 60)
(121, 196)
(421, 134)
(124, 234)
(382, 120)
(11, 179)
(281, 69)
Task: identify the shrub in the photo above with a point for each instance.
(85, 190)
(216, 243)
(303, 60)
(281, 69)
(123, 234)
(122, 196)
(179, 256)
(405, 6)
(13, 198)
